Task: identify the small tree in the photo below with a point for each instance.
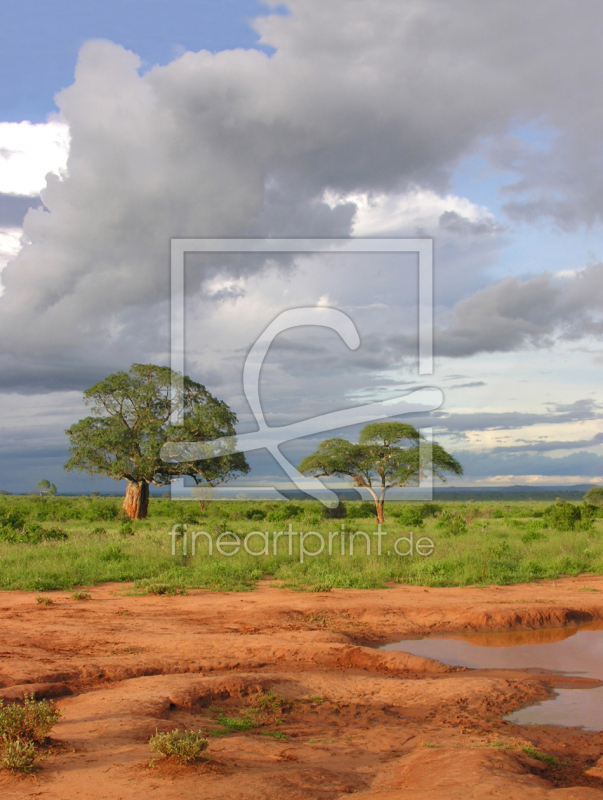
(135, 411)
(387, 455)
(46, 487)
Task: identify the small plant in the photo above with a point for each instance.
(182, 746)
(452, 523)
(44, 601)
(21, 728)
(99, 531)
(77, 595)
(17, 755)
(532, 752)
(275, 734)
(126, 529)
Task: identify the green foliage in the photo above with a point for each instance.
(566, 516)
(46, 487)
(335, 512)
(532, 752)
(17, 755)
(594, 496)
(182, 746)
(388, 454)
(31, 722)
(133, 423)
(473, 558)
(452, 522)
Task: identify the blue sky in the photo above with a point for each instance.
(140, 120)
(39, 42)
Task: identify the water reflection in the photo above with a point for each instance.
(574, 650)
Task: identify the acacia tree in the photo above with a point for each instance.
(388, 454)
(46, 487)
(135, 412)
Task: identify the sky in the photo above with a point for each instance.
(476, 125)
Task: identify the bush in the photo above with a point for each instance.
(17, 755)
(31, 722)
(255, 514)
(411, 516)
(182, 746)
(360, 510)
(594, 496)
(283, 512)
(337, 512)
(452, 522)
(565, 516)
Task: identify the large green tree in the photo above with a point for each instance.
(135, 413)
(388, 454)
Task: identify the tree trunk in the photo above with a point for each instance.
(379, 509)
(136, 501)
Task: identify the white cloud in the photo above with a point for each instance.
(28, 153)
(10, 244)
(417, 209)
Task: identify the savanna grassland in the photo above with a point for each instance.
(64, 542)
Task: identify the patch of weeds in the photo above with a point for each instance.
(78, 595)
(113, 553)
(21, 728)
(429, 744)
(317, 699)
(532, 752)
(245, 722)
(99, 531)
(44, 601)
(182, 746)
(275, 734)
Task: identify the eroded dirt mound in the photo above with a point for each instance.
(295, 703)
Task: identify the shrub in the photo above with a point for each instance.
(452, 522)
(337, 512)
(411, 516)
(566, 516)
(283, 512)
(594, 496)
(255, 514)
(361, 510)
(31, 722)
(77, 595)
(182, 746)
(17, 755)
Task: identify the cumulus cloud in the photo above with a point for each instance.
(28, 153)
(517, 313)
(354, 102)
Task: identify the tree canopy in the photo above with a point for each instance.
(135, 416)
(388, 454)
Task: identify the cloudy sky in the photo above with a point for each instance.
(478, 125)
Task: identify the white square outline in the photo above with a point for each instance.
(422, 246)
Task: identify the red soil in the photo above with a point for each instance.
(380, 725)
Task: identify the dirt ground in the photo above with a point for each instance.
(379, 725)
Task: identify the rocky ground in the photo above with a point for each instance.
(354, 720)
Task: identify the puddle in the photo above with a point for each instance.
(573, 651)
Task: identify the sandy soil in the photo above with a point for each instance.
(380, 725)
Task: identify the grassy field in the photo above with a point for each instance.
(63, 542)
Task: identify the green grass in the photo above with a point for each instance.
(474, 544)
(531, 751)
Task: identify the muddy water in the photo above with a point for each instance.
(573, 651)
